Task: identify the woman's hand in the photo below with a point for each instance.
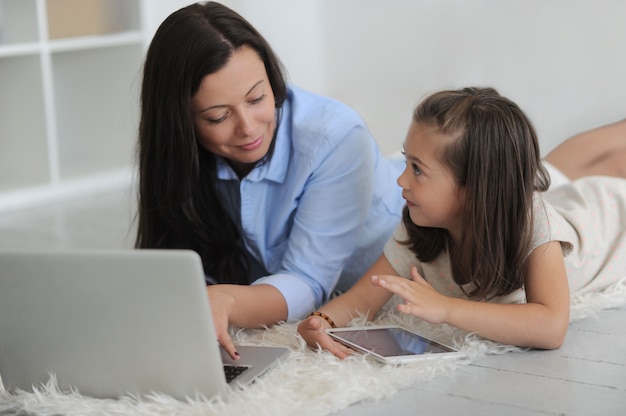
(313, 331)
(421, 300)
(244, 306)
(221, 305)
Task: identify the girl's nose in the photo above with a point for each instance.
(401, 179)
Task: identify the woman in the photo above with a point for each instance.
(283, 193)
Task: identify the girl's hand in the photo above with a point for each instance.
(421, 299)
(313, 331)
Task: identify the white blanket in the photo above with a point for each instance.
(307, 383)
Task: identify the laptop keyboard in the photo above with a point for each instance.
(234, 371)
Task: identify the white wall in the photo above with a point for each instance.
(562, 61)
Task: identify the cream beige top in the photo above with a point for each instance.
(588, 218)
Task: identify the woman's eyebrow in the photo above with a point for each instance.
(254, 86)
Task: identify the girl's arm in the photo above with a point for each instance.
(363, 298)
(540, 323)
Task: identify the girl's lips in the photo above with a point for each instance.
(255, 144)
(409, 203)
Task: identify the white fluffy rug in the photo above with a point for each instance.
(307, 383)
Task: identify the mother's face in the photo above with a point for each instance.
(234, 111)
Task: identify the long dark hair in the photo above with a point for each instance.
(178, 204)
(496, 157)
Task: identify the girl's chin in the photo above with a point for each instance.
(419, 221)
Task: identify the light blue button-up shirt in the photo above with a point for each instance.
(318, 213)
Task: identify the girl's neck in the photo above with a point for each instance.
(455, 235)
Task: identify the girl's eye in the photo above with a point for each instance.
(416, 169)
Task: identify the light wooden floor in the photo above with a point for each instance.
(587, 376)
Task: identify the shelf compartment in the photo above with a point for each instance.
(96, 109)
(18, 22)
(23, 147)
(97, 17)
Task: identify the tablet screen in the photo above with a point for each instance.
(390, 342)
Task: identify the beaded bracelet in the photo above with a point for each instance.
(323, 316)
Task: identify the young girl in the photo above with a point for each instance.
(481, 246)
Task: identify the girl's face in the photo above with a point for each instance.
(233, 111)
(432, 195)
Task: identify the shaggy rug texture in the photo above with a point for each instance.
(307, 383)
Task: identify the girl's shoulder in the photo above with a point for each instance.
(586, 207)
(550, 225)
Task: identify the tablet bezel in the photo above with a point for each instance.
(336, 334)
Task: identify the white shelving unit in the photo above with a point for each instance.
(70, 75)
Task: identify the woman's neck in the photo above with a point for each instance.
(241, 169)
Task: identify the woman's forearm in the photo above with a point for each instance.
(252, 306)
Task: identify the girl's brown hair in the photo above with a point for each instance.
(496, 157)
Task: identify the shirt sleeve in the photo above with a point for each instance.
(548, 226)
(332, 208)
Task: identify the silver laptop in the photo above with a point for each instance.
(113, 322)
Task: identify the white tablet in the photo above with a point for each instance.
(392, 344)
